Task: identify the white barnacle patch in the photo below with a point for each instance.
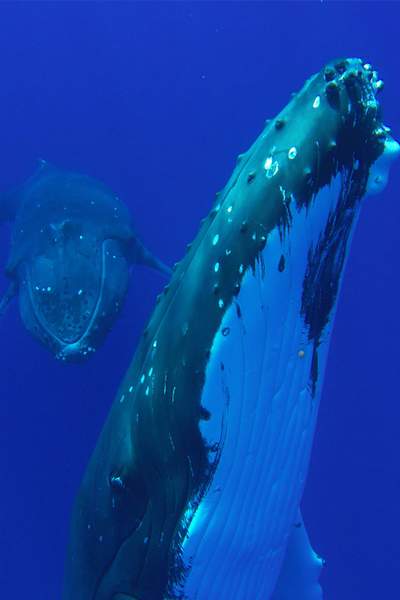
(268, 163)
(271, 167)
(317, 102)
(155, 344)
(221, 303)
(215, 239)
(229, 209)
(292, 153)
(216, 267)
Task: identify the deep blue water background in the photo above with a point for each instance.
(156, 100)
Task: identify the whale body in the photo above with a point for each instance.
(73, 244)
(193, 490)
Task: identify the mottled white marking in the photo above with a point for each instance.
(292, 153)
(215, 239)
(268, 163)
(271, 168)
(216, 267)
(317, 102)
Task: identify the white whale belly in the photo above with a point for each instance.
(263, 415)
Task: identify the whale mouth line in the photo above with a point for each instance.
(74, 347)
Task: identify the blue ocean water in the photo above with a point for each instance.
(156, 99)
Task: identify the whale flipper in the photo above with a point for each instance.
(139, 254)
(301, 568)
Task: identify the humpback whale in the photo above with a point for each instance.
(194, 487)
(72, 246)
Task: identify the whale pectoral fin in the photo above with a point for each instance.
(8, 296)
(139, 254)
(301, 567)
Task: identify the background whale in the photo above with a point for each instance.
(193, 490)
(73, 244)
